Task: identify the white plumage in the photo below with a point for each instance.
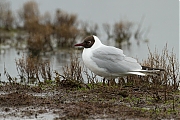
(108, 61)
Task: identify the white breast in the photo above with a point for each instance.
(89, 63)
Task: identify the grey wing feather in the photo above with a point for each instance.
(114, 61)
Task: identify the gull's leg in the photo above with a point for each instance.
(111, 82)
(104, 81)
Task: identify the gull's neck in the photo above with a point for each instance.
(97, 43)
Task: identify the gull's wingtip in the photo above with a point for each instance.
(151, 68)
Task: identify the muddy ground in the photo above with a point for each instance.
(100, 102)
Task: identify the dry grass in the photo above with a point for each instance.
(169, 62)
(73, 71)
(32, 69)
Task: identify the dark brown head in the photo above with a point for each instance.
(87, 43)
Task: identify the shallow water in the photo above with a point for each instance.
(21, 113)
(9, 56)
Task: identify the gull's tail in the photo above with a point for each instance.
(147, 71)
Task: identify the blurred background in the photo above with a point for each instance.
(49, 29)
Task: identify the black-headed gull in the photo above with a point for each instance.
(109, 61)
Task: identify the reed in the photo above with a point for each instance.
(33, 70)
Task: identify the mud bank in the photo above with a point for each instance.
(102, 102)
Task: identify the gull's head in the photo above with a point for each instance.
(90, 42)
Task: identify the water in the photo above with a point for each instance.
(9, 56)
(7, 60)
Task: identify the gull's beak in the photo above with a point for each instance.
(80, 44)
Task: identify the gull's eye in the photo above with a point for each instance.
(89, 42)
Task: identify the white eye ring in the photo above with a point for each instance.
(89, 42)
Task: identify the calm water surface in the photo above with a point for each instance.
(9, 56)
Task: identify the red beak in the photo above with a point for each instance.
(80, 44)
